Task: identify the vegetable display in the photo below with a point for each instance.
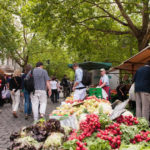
(41, 136)
(99, 132)
(95, 130)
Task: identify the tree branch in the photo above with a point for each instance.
(146, 38)
(124, 14)
(108, 13)
(145, 15)
(107, 31)
(19, 55)
(24, 36)
(92, 18)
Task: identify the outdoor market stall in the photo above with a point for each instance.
(135, 62)
(96, 126)
(93, 65)
(91, 124)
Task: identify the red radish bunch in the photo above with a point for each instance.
(73, 135)
(88, 126)
(80, 146)
(114, 129)
(143, 136)
(127, 120)
(112, 134)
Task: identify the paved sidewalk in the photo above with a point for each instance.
(8, 124)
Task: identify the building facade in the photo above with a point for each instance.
(8, 65)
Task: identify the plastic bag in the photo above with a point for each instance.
(132, 92)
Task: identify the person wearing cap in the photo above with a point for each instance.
(41, 85)
(78, 88)
(104, 81)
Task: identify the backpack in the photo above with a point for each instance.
(87, 78)
(29, 83)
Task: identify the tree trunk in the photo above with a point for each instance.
(143, 42)
(144, 38)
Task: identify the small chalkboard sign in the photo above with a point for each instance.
(119, 109)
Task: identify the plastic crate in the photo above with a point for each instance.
(96, 91)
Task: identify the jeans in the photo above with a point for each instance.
(27, 103)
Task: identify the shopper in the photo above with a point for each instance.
(39, 96)
(78, 88)
(2, 84)
(54, 87)
(15, 87)
(104, 82)
(142, 91)
(27, 102)
(58, 89)
(64, 84)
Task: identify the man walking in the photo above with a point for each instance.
(142, 91)
(78, 88)
(65, 85)
(39, 97)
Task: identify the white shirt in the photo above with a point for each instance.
(78, 77)
(53, 85)
(105, 79)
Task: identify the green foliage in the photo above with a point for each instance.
(67, 31)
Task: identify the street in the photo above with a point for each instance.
(9, 124)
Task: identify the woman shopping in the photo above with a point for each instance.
(27, 103)
(54, 87)
(104, 82)
(15, 88)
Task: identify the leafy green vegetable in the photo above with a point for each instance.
(98, 144)
(143, 124)
(55, 139)
(67, 130)
(140, 146)
(128, 132)
(70, 145)
(104, 120)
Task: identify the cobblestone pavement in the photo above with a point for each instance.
(8, 124)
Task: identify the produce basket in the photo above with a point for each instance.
(96, 91)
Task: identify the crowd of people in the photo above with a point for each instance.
(13, 88)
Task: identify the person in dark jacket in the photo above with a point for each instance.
(142, 91)
(65, 85)
(15, 87)
(2, 84)
(27, 102)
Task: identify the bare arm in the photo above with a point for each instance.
(48, 87)
(104, 84)
(75, 85)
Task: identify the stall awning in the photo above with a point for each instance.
(93, 65)
(138, 60)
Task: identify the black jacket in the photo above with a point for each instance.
(142, 79)
(15, 83)
(64, 82)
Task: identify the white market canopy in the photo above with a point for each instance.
(135, 62)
